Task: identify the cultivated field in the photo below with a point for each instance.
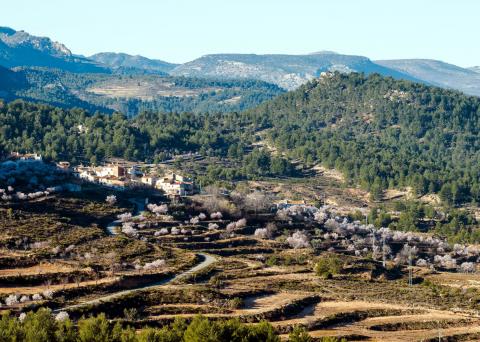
(183, 259)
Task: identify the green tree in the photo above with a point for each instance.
(10, 329)
(94, 329)
(39, 326)
(66, 331)
(299, 334)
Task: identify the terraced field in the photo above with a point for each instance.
(183, 266)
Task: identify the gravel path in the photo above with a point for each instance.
(207, 261)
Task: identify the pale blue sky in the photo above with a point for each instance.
(182, 30)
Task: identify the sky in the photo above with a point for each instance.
(182, 30)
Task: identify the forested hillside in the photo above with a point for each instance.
(381, 133)
(134, 93)
(79, 137)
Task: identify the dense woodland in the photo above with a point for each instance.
(75, 135)
(381, 133)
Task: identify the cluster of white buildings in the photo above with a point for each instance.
(25, 156)
(114, 176)
(172, 184)
(120, 177)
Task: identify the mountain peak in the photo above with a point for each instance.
(324, 52)
(22, 39)
(19, 48)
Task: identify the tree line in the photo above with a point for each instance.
(77, 136)
(42, 326)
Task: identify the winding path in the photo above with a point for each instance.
(207, 261)
(139, 207)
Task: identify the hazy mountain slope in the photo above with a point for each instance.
(475, 68)
(287, 71)
(438, 73)
(125, 61)
(18, 48)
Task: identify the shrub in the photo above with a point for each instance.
(235, 303)
(299, 334)
(328, 265)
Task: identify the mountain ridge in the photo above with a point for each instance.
(19, 48)
(438, 73)
(287, 71)
(118, 60)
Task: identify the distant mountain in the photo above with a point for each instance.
(287, 71)
(21, 49)
(18, 48)
(475, 68)
(134, 93)
(127, 62)
(438, 73)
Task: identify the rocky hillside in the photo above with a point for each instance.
(18, 48)
(287, 71)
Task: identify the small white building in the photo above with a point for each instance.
(175, 185)
(149, 180)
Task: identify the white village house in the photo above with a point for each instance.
(175, 185)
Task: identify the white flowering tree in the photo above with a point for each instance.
(468, 267)
(155, 265)
(299, 239)
(111, 200)
(125, 217)
(216, 216)
(158, 210)
(12, 300)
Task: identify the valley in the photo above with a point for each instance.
(195, 256)
(236, 197)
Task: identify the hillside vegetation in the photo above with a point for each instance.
(380, 133)
(135, 92)
(77, 136)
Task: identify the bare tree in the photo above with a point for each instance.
(257, 201)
